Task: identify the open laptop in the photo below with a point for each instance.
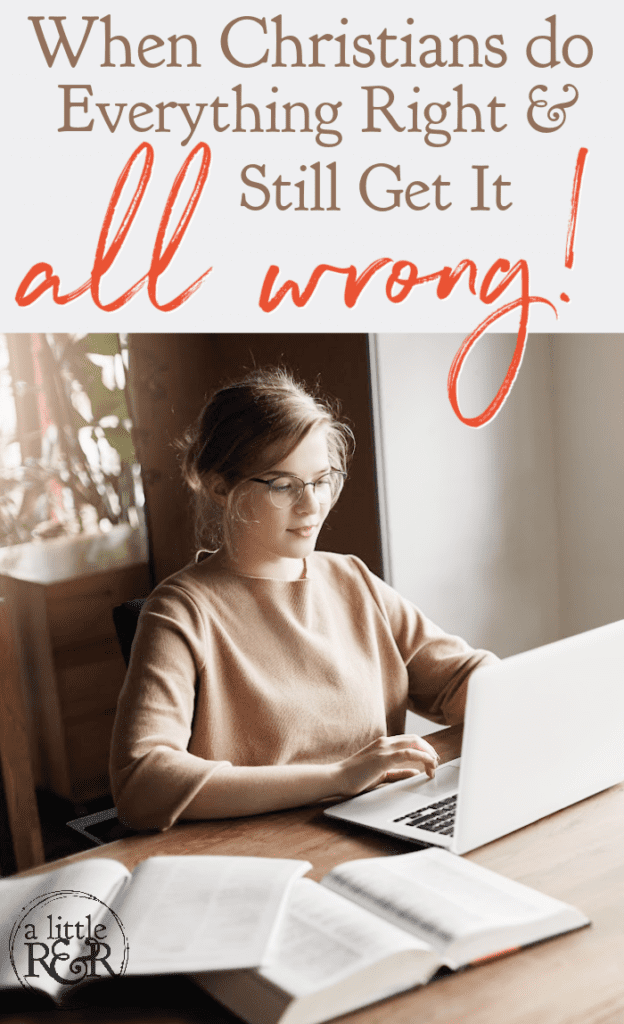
(543, 730)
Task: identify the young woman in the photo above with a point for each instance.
(267, 675)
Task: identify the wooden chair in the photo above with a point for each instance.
(15, 760)
(103, 826)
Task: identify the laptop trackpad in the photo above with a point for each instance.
(421, 791)
(398, 798)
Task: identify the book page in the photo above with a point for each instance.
(438, 896)
(101, 878)
(324, 937)
(204, 913)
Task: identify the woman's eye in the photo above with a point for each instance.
(326, 484)
(282, 486)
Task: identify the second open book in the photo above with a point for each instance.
(378, 926)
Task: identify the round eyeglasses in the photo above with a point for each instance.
(286, 490)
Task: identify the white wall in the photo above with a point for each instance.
(589, 444)
(510, 535)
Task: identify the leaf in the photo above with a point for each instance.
(77, 422)
(108, 403)
(102, 344)
(103, 402)
(84, 370)
(119, 439)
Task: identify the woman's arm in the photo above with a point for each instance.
(153, 774)
(233, 792)
(438, 664)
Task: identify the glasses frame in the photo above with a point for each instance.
(310, 483)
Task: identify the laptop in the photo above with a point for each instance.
(543, 730)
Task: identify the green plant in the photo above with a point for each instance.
(77, 457)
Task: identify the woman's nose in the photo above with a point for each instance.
(308, 499)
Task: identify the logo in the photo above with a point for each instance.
(65, 937)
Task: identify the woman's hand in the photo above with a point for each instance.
(386, 759)
(233, 791)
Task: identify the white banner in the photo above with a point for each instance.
(350, 167)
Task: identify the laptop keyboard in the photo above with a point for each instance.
(438, 817)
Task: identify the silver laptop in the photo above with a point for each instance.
(543, 730)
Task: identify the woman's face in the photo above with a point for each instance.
(273, 541)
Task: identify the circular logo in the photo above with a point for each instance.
(64, 937)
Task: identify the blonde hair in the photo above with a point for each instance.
(244, 429)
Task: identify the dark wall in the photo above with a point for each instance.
(170, 376)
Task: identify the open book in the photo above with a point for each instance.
(171, 915)
(376, 927)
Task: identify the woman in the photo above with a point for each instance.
(267, 675)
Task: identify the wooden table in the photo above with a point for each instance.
(576, 855)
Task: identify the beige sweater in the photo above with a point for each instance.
(230, 669)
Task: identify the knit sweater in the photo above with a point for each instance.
(229, 669)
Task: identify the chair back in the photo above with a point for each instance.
(103, 826)
(126, 617)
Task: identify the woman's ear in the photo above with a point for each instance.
(217, 489)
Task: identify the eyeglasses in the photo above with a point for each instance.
(286, 490)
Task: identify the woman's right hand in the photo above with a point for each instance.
(386, 759)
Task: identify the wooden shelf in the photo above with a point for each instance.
(61, 594)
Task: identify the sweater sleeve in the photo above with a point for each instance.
(438, 664)
(153, 775)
